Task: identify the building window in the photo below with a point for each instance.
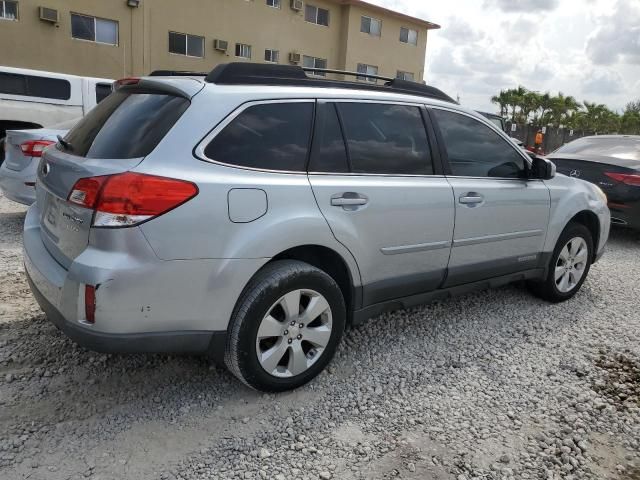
(271, 56)
(273, 3)
(372, 26)
(184, 44)
(405, 76)
(94, 29)
(319, 16)
(367, 70)
(313, 62)
(8, 10)
(409, 36)
(243, 51)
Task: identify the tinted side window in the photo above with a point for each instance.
(125, 125)
(329, 153)
(32, 86)
(103, 90)
(474, 150)
(386, 139)
(273, 136)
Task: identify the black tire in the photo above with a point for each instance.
(268, 285)
(548, 289)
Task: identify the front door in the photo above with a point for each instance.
(501, 216)
(377, 189)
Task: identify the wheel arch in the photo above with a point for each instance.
(332, 263)
(589, 220)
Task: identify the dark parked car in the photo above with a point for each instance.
(613, 163)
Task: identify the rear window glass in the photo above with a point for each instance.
(33, 86)
(618, 147)
(272, 136)
(125, 125)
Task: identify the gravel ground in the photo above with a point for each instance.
(492, 385)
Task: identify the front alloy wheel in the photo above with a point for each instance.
(571, 264)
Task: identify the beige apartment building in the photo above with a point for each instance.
(119, 38)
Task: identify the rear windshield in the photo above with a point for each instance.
(618, 147)
(125, 125)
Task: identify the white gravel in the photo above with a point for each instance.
(494, 385)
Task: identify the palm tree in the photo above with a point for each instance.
(502, 101)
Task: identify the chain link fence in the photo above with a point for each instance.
(553, 138)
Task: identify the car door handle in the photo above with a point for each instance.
(349, 199)
(471, 198)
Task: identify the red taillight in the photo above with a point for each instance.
(628, 178)
(34, 148)
(126, 81)
(130, 198)
(90, 303)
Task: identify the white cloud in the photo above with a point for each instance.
(589, 49)
(603, 82)
(524, 6)
(617, 36)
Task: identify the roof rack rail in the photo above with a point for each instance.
(176, 73)
(242, 73)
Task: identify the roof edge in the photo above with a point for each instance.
(415, 20)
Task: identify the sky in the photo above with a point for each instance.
(589, 49)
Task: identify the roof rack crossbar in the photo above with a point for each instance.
(347, 73)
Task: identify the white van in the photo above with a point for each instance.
(36, 99)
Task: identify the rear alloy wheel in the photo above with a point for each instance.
(569, 265)
(294, 333)
(286, 326)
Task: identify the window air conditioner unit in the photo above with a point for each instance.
(294, 57)
(296, 5)
(48, 14)
(221, 45)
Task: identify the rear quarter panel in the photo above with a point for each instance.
(201, 228)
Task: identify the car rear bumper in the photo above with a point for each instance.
(195, 342)
(12, 184)
(143, 304)
(626, 217)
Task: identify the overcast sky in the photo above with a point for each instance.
(586, 48)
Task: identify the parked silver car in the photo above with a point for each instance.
(253, 213)
(23, 149)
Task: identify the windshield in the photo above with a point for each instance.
(618, 147)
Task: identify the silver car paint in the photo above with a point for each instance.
(185, 270)
(17, 170)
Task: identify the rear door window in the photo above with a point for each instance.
(386, 139)
(475, 150)
(329, 153)
(271, 136)
(127, 124)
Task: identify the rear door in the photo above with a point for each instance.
(113, 138)
(383, 195)
(501, 216)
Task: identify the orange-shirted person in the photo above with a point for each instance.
(539, 140)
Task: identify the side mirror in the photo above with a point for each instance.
(542, 169)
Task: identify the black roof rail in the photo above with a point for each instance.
(176, 73)
(242, 73)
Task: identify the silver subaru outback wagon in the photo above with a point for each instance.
(253, 213)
